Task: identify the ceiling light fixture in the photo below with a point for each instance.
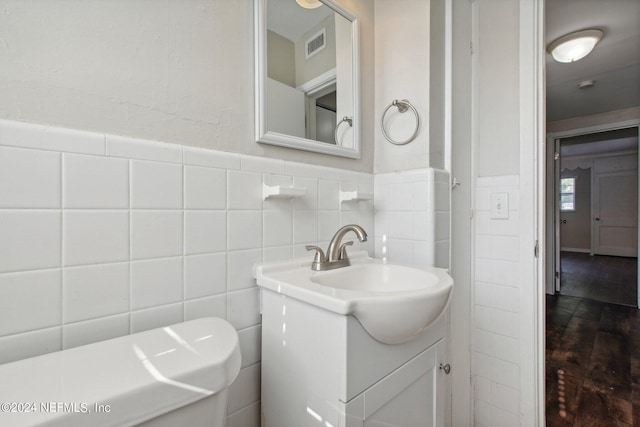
(574, 46)
(309, 4)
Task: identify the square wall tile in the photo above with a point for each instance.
(328, 224)
(277, 253)
(30, 300)
(29, 240)
(240, 268)
(156, 282)
(156, 185)
(305, 226)
(205, 275)
(277, 228)
(482, 414)
(243, 308)
(244, 190)
(156, 234)
(205, 231)
(328, 195)
(29, 178)
(401, 225)
(95, 237)
(90, 331)
(401, 196)
(95, 291)
(30, 344)
(310, 200)
(244, 230)
(205, 188)
(213, 306)
(249, 416)
(505, 373)
(156, 317)
(502, 418)
(95, 182)
(250, 345)
(245, 389)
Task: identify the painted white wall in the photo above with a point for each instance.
(439, 52)
(401, 72)
(179, 72)
(281, 59)
(609, 117)
(498, 102)
(309, 68)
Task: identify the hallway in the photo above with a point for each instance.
(592, 363)
(602, 278)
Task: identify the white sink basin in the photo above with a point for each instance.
(394, 303)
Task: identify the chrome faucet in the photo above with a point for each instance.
(337, 253)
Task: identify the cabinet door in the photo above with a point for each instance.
(411, 396)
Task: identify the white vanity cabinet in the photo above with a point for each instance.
(320, 368)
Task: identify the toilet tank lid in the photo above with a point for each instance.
(122, 381)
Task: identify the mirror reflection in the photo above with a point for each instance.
(309, 65)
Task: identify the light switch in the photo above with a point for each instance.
(499, 205)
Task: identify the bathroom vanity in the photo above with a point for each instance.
(321, 367)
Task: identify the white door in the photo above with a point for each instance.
(615, 213)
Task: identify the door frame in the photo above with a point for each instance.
(552, 247)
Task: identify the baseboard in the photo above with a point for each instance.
(581, 250)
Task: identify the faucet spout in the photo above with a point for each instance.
(334, 253)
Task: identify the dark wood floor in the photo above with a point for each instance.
(601, 278)
(592, 363)
(593, 344)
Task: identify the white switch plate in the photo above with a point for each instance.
(499, 205)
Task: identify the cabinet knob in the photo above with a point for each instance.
(446, 368)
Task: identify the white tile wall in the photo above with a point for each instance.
(95, 182)
(412, 212)
(30, 239)
(103, 235)
(495, 331)
(29, 179)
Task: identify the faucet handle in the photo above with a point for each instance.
(319, 256)
(343, 250)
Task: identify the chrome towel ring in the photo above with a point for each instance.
(344, 119)
(402, 105)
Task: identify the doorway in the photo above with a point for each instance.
(591, 306)
(592, 203)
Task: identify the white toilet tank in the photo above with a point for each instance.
(171, 376)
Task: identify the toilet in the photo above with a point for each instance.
(174, 375)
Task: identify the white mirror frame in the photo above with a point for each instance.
(274, 138)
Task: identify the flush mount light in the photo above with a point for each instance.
(574, 46)
(309, 4)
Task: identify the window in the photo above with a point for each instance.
(567, 195)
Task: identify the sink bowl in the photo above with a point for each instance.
(392, 302)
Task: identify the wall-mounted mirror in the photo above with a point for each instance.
(307, 83)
